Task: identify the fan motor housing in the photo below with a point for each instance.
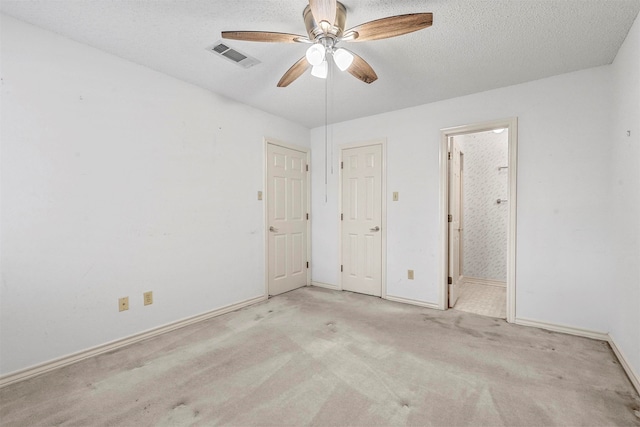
(314, 30)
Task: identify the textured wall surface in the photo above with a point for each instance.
(484, 235)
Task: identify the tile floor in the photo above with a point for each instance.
(486, 300)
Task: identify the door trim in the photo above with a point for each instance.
(512, 125)
(265, 204)
(383, 274)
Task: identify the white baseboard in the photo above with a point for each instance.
(603, 336)
(412, 302)
(487, 282)
(325, 285)
(42, 368)
(387, 297)
(633, 376)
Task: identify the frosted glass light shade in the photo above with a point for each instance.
(315, 54)
(321, 70)
(343, 59)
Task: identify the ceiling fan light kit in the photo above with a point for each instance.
(321, 70)
(325, 21)
(315, 54)
(343, 59)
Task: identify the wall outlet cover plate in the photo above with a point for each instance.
(148, 298)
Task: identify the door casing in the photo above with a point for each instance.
(265, 201)
(383, 143)
(511, 124)
(455, 210)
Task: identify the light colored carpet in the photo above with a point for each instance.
(486, 300)
(319, 357)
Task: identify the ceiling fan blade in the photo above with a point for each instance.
(265, 36)
(391, 26)
(294, 72)
(361, 70)
(324, 10)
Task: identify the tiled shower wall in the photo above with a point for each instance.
(484, 221)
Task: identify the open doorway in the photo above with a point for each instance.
(478, 194)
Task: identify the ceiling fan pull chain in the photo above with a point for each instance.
(326, 149)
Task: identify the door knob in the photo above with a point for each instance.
(272, 228)
(376, 228)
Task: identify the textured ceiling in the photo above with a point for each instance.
(473, 46)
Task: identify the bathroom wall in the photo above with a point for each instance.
(484, 221)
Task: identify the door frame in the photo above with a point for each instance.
(511, 124)
(265, 207)
(383, 225)
(456, 282)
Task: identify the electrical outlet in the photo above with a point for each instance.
(148, 298)
(395, 196)
(410, 274)
(123, 303)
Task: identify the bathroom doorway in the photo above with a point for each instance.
(479, 235)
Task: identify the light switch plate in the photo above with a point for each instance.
(395, 196)
(259, 195)
(410, 274)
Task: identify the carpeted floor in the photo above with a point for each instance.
(320, 357)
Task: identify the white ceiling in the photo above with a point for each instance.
(473, 46)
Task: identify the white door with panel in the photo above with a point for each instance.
(455, 177)
(362, 219)
(287, 218)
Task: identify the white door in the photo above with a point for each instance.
(454, 220)
(286, 219)
(362, 220)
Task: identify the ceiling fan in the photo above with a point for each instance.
(325, 21)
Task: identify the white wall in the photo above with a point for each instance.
(563, 269)
(484, 220)
(116, 180)
(624, 199)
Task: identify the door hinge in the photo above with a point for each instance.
(449, 281)
(341, 268)
(341, 217)
(449, 218)
(307, 216)
(341, 165)
(307, 168)
(307, 264)
(449, 155)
